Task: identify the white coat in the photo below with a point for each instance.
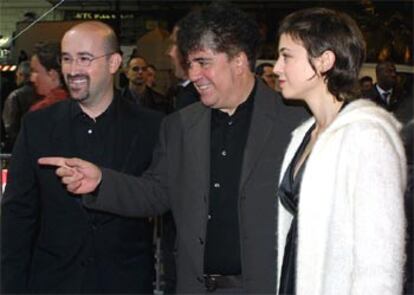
(351, 222)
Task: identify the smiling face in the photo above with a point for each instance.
(87, 84)
(215, 76)
(297, 78)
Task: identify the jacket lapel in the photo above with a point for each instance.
(197, 132)
(261, 124)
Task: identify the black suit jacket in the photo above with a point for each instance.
(401, 103)
(179, 179)
(50, 242)
(19, 102)
(375, 96)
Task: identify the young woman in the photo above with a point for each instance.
(341, 224)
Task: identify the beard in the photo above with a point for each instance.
(78, 86)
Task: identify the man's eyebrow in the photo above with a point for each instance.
(84, 53)
(284, 49)
(78, 53)
(201, 59)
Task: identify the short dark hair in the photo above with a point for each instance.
(135, 55)
(48, 54)
(222, 28)
(260, 68)
(321, 29)
(24, 68)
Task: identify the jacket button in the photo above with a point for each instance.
(201, 241)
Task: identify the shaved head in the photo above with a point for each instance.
(109, 39)
(92, 53)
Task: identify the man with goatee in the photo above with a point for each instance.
(50, 242)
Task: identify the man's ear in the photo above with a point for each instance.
(115, 62)
(241, 62)
(326, 61)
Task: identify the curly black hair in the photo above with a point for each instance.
(222, 28)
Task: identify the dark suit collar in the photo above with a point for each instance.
(381, 90)
(262, 122)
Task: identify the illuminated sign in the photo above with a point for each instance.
(85, 15)
(8, 68)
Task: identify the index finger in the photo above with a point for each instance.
(53, 161)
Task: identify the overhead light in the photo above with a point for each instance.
(5, 41)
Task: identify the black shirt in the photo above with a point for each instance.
(95, 139)
(228, 140)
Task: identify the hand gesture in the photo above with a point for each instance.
(79, 176)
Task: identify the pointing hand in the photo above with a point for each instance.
(79, 176)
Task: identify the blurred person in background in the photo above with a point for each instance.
(389, 92)
(384, 92)
(138, 91)
(183, 93)
(265, 72)
(46, 75)
(365, 84)
(151, 76)
(18, 103)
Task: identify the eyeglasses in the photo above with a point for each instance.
(138, 68)
(83, 60)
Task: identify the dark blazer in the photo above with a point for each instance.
(50, 242)
(17, 104)
(401, 103)
(179, 179)
(375, 96)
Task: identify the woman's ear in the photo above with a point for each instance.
(55, 76)
(326, 61)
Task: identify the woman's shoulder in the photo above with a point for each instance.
(362, 116)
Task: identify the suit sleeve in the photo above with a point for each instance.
(132, 196)
(379, 220)
(19, 219)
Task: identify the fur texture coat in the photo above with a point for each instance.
(351, 222)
